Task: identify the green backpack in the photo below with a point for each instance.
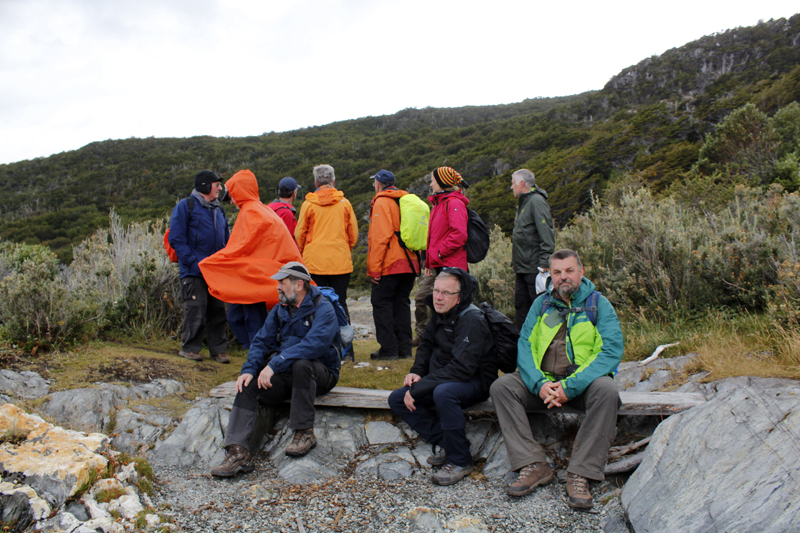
(414, 216)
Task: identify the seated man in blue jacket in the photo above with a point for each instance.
(568, 351)
(293, 356)
(454, 368)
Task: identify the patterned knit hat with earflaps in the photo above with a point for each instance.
(448, 177)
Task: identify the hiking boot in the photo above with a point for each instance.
(302, 443)
(578, 491)
(221, 358)
(451, 474)
(237, 459)
(438, 457)
(416, 340)
(530, 477)
(382, 355)
(191, 355)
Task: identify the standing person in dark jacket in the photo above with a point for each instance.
(454, 368)
(447, 236)
(293, 356)
(196, 232)
(533, 241)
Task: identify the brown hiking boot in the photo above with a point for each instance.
(237, 459)
(191, 355)
(416, 340)
(302, 443)
(222, 358)
(578, 491)
(530, 477)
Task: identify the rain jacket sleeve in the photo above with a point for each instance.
(313, 344)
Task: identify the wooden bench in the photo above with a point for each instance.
(633, 403)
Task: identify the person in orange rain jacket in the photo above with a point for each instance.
(326, 232)
(240, 273)
(392, 270)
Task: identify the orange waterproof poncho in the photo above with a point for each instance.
(259, 245)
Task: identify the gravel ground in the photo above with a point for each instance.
(261, 501)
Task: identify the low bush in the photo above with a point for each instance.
(495, 275)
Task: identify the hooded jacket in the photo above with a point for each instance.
(533, 238)
(386, 256)
(197, 236)
(285, 338)
(259, 245)
(447, 230)
(456, 346)
(597, 350)
(326, 232)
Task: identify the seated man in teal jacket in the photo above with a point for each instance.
(569, 348)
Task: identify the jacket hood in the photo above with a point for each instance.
(468, 284)
(394, 192)
(583, 292)
(531, 192)
(243, 187)
(439, 197)
(325, 195)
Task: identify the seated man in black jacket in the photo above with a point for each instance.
(454, 367)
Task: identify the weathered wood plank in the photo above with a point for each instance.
(625, 465)
(633, 403)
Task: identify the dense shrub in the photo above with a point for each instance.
(664, 258)
(120, 278)
(494, 274)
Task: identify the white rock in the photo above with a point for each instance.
(152, 519)
(128, 506)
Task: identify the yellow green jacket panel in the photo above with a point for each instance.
(597, 350)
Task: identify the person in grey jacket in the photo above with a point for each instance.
(533, 241)
(454, 368)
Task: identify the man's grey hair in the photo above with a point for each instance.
(564, 254)
(525, 175)
(447, 275)
(306, 284)
(323, 175)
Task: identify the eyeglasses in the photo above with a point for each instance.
(437, 292)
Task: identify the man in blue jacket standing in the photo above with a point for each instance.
(294, 356)
(198, 228)
(568, 351)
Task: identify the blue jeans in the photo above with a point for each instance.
(447, 428)
(246, 320)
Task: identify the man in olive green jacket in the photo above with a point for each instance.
(533, 241)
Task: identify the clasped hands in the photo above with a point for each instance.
(553, 394)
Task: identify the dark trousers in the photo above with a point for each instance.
(447, 428)
(205, 315)
(338, 283)
(391, 311)
(306, 380)
(246, 320)
(524, 295)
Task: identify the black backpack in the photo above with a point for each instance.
(477, 239)
(505, 336)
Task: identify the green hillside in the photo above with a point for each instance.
(649, 122)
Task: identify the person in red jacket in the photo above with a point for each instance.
(287, 192)
(447, 236)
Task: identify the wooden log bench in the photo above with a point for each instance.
(633, 403)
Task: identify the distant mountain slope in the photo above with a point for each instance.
(649, 119)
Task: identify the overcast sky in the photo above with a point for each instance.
(77, 71)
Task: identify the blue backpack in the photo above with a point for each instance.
(344, 339)
(590, 308)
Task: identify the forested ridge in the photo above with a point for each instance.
(648, 124)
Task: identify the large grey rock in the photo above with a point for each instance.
(139, 426)
(16, 511)
(477, 433)
(728, 465)
(380, 432)
(25, 384)
(340, 434)
(395, 464)
(91, 409)
(652, 376)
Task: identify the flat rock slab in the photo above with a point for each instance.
(383, 433)
(728, 465)
(27, 385)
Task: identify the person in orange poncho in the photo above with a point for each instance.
(240, 273)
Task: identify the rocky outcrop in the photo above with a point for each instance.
(26, 385)
(55, 462)
(728, 465)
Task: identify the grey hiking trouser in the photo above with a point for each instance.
(307, 379)
(600, 401)
(205, 316)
